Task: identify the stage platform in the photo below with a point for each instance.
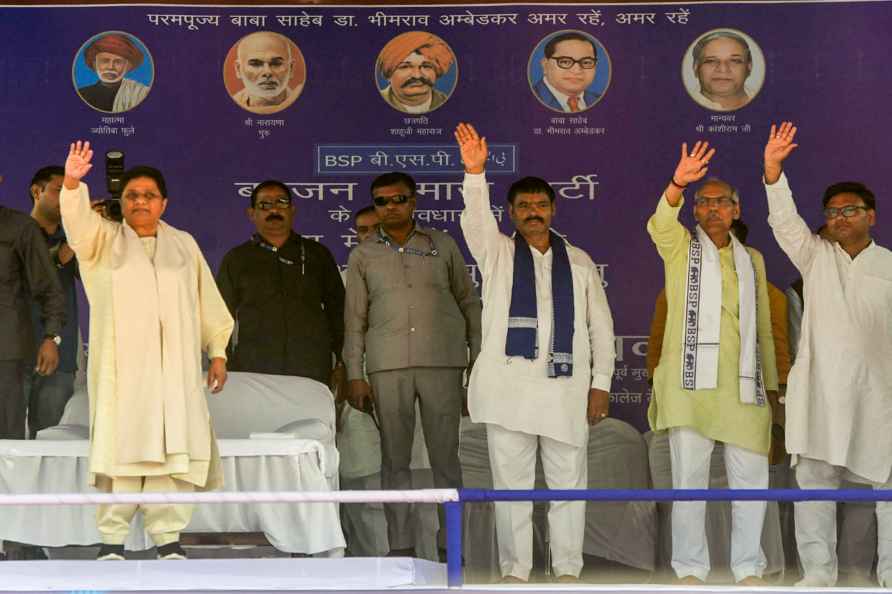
(297, 575)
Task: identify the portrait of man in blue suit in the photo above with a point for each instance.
(571, 73)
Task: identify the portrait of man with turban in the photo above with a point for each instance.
(112, 56)
(412, 63)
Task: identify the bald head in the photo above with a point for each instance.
(715, 186)
(261, 42)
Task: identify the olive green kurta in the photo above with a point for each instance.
(717, 414)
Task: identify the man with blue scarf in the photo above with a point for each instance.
(546, 360)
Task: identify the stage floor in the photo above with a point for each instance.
(296, 575)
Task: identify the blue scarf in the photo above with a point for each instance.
(523, 323)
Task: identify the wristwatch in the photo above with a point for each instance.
(54, 337)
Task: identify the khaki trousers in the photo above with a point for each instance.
(439, 393)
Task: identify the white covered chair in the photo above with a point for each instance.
(276, 433)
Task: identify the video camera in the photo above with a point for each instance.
(114, 169)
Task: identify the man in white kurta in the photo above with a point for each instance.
(526, 410)
(154, 307)
(839, 392)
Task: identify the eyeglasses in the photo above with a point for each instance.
(846, 211)
(133, 196)
(280, 204)
(721, 202)
(385, 200)
(566, 62)
(715, 63)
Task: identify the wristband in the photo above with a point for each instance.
(677, 185)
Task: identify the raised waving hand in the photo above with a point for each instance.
(779, 146)
(691, 168)
(78, 164)
(473, 148)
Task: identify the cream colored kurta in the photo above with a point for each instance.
(150, 319)
(839, 391)
(717, 414)
(514, 392)
(130, 94)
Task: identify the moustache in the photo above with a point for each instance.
(275, 217)
(418, 79)
(540, 219)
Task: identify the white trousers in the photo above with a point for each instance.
(691, 454)
(512, 457)
(816, 526)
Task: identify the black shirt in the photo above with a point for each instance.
(26, 272)
(66, 273)
(100, 96)
(289, 307)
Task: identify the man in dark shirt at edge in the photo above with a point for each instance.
(46, 395)
(286, 295)
(26, 272)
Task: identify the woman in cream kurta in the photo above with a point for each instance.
(154, 306)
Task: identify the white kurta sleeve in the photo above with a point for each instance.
(600, 332)
(478, 224)
(85, 229)
(792, 233)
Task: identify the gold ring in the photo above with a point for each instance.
(603, 415)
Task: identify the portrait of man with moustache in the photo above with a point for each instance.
(416, 72)
(107, 79)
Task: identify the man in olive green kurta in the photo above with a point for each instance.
(696, 418)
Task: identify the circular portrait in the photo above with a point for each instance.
(264, 72)
(569, 71)
(723, 69)
(416, 72)
(113, 72)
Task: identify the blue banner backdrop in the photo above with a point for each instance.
(217, 115)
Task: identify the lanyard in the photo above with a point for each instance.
(409, 250)
(259, 241)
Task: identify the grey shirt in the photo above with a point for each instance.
(409, 306)
(26, 272)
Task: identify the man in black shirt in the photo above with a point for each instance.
(46, 395)
(26, 272)
(286, 295)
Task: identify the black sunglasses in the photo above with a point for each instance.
(385, 200)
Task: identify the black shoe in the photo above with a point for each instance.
(441, 553)
(109, 552)
(23, 552)
(172, 551)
